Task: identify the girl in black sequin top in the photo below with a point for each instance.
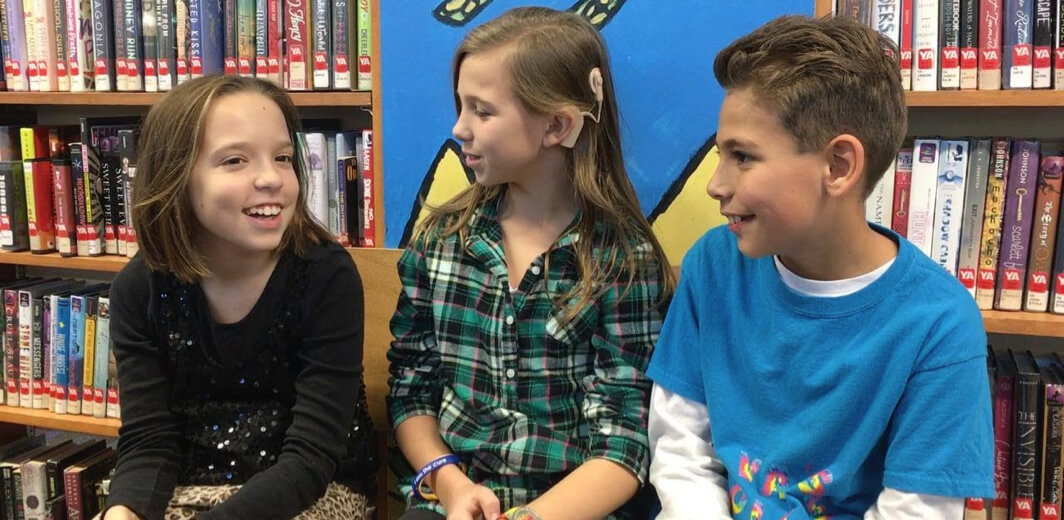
(238, 328)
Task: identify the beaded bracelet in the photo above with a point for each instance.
(521, 513)
(421, 488)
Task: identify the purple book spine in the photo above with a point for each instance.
(1016, 227)
(16, 33)
(1017, 70)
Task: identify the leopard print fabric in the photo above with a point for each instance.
(339, 503)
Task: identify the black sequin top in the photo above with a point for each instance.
(274, 402)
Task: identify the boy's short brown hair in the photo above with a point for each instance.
(823, 77)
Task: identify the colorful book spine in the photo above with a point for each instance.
(993, 211)
(972, 225)
(969, 44)
(1057, 298)
(66, 237)
(76, 354)
(100, 359)
(37, 170)
(364, 44)
(245, 37)
(133, 44)
(369, 199)
(1018, 68)
(32, 51)
(905, 44)
(60, 345)
(1043, 235)
(262, 65)
(296, 44)
(14, 226)
(343, 15)
(182, 37)
(118, 13)
(59, 35)
(1016, 229)
(1042, 41)
(229, 36)
(25, 350)
(15, 55)
(103, 47)
(903, 176)
(990, 45)
(949, 203)
(1026, 437)
(87, 391)
(11, 346)
(274, 40)
(949, 38)
(79, 45)
(1058, 46)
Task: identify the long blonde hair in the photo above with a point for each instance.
(551, 54)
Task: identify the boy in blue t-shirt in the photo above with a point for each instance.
(813, 365)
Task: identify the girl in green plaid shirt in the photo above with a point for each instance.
(531, 300)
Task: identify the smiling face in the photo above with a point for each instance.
(242, 187)
(771, 193)
(501, 139)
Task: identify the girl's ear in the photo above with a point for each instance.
(564, 128)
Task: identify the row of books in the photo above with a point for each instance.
(64, 188)
(341, 183)
(67, 189)
(970, 44)
(987, 210)
(54, 479)
(1027, 393)
(153, 45)
(57, 347)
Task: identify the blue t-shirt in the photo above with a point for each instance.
(816, 404)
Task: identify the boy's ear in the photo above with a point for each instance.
(564, 128)
(846, 162)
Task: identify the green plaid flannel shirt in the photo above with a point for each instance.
(520, 398)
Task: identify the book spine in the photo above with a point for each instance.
(365, 45)
(75, 355)
(229, 36)
(1025, 446)
(61, 352)
(296, 43)
(126, 147)
(949, 203)
(245, 38)
(972, 225)
(274, 39)
(1049, 505)
(149, 34)
(262, 65)
(341, 43)
(93, 230)
(37, 354)
(118, 12)
(902, 185)
(922, 193)
(59, 36)
(969, 44)
(195, 39)
(1016, 229)
(1043, 235)
(65, 225)
(905, 44)
(47, 80)
(47, 333)
(1042, 41)
(114, 408)
(14, 224)
(950, 42)
(15, 56)
(368, 198)
(102, 354)
(1058, 46)
(103, 45)
(108, 145)
(993, 211)
(71, 12)
(165, 45)
(11, 339)
(85, 66)
(89, 356)
(34, 489)
(1057, 297)
(322, 10)
(72, 491)
(181, 35)
(213, 38)
(25, 350)
(1018, 69)
(879, 203)
(134, 41)
(31, 44)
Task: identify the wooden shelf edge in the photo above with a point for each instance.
(1024, 323)
(113, 264)
(985, 99)
(146, 99)
(54, 421)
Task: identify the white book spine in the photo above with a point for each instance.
(318, 185)
(925, 45)
(922, 193)
(949, 203)
(880, 202)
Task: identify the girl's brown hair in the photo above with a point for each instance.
(550, 56)
(170, 142)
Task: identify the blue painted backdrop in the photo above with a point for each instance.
(661, 51)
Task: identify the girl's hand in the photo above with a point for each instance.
(462, 498)
(120, 513)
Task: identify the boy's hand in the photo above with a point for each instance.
(462, 498)
(120, 513)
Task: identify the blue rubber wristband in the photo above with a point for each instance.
(429, 468)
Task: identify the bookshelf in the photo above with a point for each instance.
(147, 99)
(52, 421)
